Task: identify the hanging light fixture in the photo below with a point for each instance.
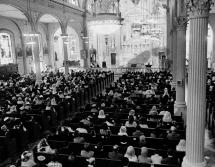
(105, 22)
(105, 26)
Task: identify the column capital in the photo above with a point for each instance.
(199, 8)
(181, 22)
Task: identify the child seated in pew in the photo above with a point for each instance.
(122, 131)
(130, 154)
(131, 123)
(143, 157)
(132, 113)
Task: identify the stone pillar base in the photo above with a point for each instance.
(180, 109)
(186, 163)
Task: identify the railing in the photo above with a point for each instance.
(127, 69)
(116, 71)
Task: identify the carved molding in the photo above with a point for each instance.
(199, 8)
(181, 22)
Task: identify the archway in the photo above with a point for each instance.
(51, 51)
(13, 26)
(73, 43)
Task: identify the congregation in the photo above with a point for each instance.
(130, 122)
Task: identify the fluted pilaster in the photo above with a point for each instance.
(199, 11)
(174, 41)
(181, 24)
(180, 105)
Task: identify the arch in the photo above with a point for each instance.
(53, 24)
(22, 47)
(22, 10)
(51, 16)
(74, 43)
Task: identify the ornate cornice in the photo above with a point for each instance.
(181, 22)
(199, 8)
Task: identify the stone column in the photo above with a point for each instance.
(35, 47)
(199, 12)
(36, 56)
(181, 23)
(174, 41)
(169, 34)
(65, 52)
(85, 42)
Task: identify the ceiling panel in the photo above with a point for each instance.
(9, 11)
(48, 19)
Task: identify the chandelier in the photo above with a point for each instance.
(105, 26)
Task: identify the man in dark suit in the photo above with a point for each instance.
(115, 155)
(170, 159)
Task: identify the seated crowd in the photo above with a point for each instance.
(28, 108)
(129, 123)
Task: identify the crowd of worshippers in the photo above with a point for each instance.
(126, 96)
(210, 87)
(22, 95)
(18, 95)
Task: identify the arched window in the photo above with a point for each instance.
(6, 50)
